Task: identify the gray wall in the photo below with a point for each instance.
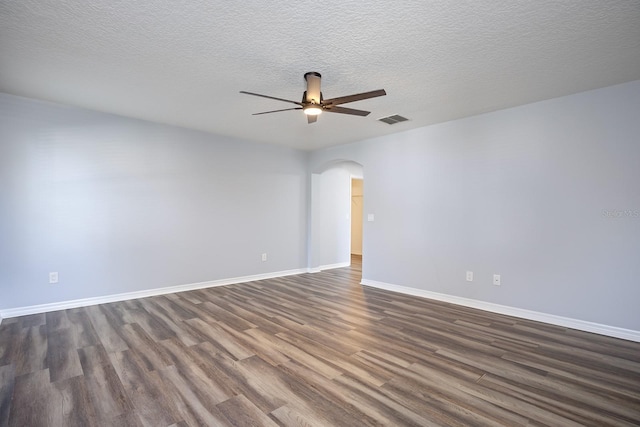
(334, 223)
(547, 195)
(118, 205)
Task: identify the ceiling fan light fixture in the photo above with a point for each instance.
(313, 104)
(312, 110)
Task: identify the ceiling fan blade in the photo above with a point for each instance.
(271, 97)
(277, 111)
(343, 110)
(312, 119)
(353, 98)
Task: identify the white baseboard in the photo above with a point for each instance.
(582, 325)
(328, 267)
(337, 265)
(63, 305)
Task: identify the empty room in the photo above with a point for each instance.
(338, 213)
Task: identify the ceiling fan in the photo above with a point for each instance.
(313, 104)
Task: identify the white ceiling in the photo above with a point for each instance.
(183, 63)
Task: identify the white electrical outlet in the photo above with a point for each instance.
(370, 217)
(264, 257)
(53, 277)
(496, 279)
(469, 276)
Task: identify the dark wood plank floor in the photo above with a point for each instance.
(308, 350)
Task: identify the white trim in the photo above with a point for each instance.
(582, 325)
(327, 267)
(0, 318)
(337, 265)
(63, 305)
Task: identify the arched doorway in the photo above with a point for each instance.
(330, 230)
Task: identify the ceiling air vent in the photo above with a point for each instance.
(391, 120)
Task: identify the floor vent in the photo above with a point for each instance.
(391, 120)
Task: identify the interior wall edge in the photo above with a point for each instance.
(581, 325)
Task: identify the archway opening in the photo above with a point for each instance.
(331, 237)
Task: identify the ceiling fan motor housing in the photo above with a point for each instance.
(312, 73)
(313, 94)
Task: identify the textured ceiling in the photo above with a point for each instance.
(183, 63)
